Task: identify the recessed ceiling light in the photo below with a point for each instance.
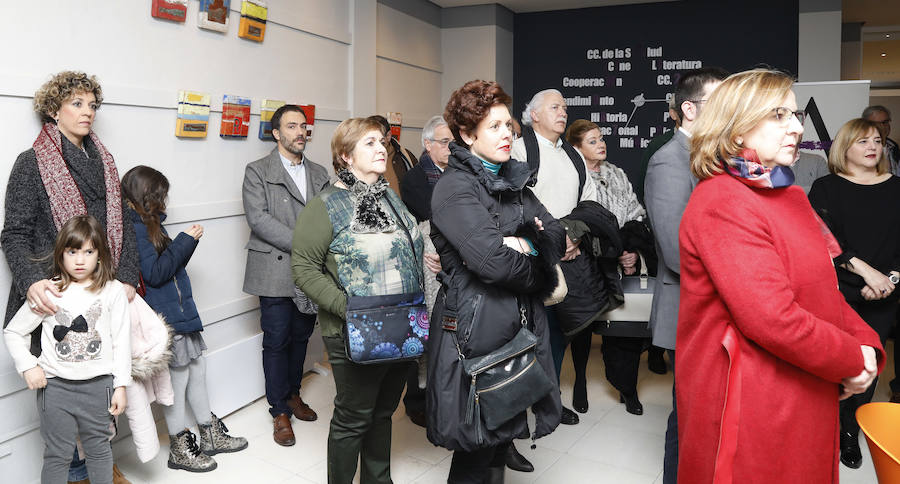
(884, 54)
(887, 35)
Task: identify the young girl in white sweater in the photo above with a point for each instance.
(86, 360)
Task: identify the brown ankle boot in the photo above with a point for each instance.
(118, 477)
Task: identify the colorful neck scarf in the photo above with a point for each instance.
(751, 172)
(368, 215)
(747, 168)
(65, 198)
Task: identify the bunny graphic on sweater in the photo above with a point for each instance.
(77, 338)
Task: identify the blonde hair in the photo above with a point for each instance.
(347, 134)
(851, 132)
(63, 85)
(737, 106)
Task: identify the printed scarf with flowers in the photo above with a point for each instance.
(747, 168)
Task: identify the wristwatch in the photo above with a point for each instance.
(894, 278)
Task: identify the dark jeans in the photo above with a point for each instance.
(360, 430)
(472, 467)
(670, 458)
(77, 469)
(285, 333)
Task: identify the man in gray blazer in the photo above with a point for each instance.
(667, 188)
(276, 188)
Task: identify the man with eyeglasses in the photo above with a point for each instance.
(882, 116)
(419, 181)
(667, 188)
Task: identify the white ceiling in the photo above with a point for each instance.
(519, 6)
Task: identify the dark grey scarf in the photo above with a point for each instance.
(368, 215)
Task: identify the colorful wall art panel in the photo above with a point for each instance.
(214, 15)
(396, 120)
(253, 20)
(175, 10)
(235, 117)
(266, 110)
(310, 111)
(193, 114)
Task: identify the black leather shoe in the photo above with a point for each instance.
(632, 404)
(655, 361)
(568, 417)
(851, 456)
(517, 461)
(579, 397)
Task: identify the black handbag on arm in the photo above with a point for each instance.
(505, 381)
(390, 328)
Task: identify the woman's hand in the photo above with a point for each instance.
(433, 262)
(628, 260)
(860, 383)
(539, 223)
(879, 286)
(35, 378)
(37, 299)
(572, 250)
(118, 402)
(878, 282)
(130, 291)
(196, 231)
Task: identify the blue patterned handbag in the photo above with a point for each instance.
(386, 329)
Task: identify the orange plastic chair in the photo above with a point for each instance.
(880, 422)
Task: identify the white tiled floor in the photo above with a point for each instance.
(608, 446)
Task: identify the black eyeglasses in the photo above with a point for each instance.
(783, 115)
(442, 141)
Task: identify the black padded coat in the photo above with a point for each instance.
(483, 284)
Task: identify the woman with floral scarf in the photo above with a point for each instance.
(351, 240)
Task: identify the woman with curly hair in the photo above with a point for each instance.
(66, 172)
(498, 246)
(356, 239)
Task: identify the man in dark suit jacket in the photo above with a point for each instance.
(276, 188)
(667, 189)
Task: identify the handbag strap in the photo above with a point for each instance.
(402, 223)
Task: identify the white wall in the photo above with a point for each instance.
(819, 49)
(142, 62)
(408, 71)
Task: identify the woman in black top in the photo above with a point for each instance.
(859, 203)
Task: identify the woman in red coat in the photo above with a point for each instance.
(766, 343)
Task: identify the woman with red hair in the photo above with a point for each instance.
(497, 245)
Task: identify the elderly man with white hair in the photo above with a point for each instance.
(417, 184)
(562, 183)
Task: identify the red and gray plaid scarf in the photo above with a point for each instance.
(65, 198)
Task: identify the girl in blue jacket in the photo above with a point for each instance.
(168, 291)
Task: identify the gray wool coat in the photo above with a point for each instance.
(272, 204)
(667, 188)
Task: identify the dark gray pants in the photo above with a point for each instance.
(71, 409)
